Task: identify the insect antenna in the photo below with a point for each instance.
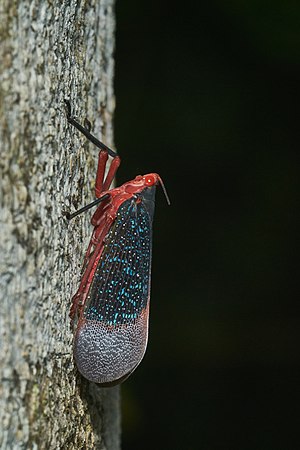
(164, 190)
(86, 207)
(86, 131)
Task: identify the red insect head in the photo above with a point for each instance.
(122, 193)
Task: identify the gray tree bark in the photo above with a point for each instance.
(49, 51)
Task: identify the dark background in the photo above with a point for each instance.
(208, 96)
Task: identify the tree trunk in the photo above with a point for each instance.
(49, 51)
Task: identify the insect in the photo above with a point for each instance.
(111, 306)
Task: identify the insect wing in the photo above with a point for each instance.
(112, 337)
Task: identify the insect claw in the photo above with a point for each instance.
(67, 215)
(68, 109)
(87, 124)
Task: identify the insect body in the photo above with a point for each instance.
(112, 303)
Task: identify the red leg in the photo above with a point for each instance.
(102, 160)
(111, 172)
(101, 184)
(93, 252)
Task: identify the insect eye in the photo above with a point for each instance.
(150, 180)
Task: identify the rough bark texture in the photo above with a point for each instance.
(49, 51)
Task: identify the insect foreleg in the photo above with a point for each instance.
(101, 183)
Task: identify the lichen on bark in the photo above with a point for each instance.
(49, 51)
